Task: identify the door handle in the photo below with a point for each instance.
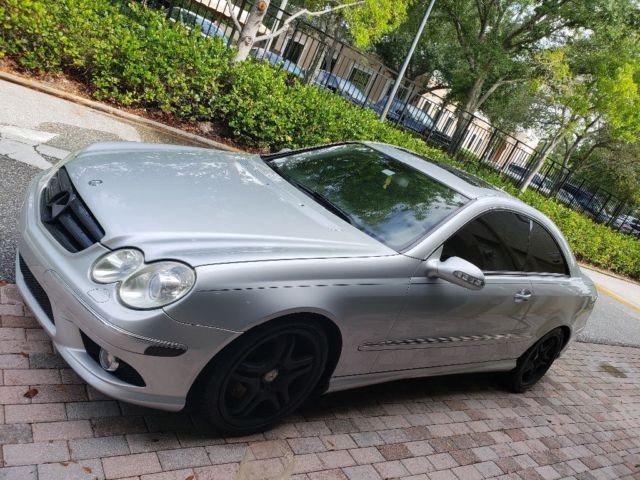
(522, 296)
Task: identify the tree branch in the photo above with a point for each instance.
(494, 87)
(537, 18)
(233, 15)
(304, 11)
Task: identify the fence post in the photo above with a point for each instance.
(604, 206)
(457, 142)
(406, 104)
(507, 162)
(574, 198)
(490, 144)
(443, 107)
(588, 206)
(481, 157)
(372, 83)
(616, 212)
(170, 10)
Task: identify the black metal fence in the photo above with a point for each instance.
(308, 53)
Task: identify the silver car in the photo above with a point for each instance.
(164, 271)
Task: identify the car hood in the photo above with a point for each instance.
(206, 206)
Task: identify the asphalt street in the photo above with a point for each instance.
(36, 130)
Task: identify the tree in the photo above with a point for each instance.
(588, 95)
(364, 20)
(615, 168)
(479, 47)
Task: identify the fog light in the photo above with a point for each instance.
(108, 361)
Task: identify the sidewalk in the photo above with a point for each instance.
(624, 291)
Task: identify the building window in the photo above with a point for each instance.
(447, 125)
(292, 51)
(360, 78)
(471, 140)
(478, 144)
(401, 94)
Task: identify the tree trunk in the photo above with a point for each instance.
(569, 151)
(318, 59)
(323, 52)
(464, 114)
(549, 147)
(250, 29)
(332, 33)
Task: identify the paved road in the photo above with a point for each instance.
(36, 130)
(616, 316)
(582, 421)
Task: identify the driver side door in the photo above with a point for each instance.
(445, 324)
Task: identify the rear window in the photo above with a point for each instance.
(385, 198)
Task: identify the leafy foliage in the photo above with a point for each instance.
(131, 55)
(480, 47)
(362, 24)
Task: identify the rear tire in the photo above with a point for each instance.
(534, 363)
(264, 376)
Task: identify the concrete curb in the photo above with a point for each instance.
(166, 129)
(608, 273)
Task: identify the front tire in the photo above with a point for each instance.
(264, 376)
(535, 362)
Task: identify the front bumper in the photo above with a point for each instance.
(80, 307)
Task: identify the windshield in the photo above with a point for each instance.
(385, 198)
(418, 114)
(276, 59)
(349, 88)
(189, 18)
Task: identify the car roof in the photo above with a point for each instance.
(465, 183)
(468, 185)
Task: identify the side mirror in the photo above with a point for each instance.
(457, 271)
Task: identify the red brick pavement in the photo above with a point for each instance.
(582, 421)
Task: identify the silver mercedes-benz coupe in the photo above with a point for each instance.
(259, 281)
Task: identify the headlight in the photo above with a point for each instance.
(157, 285)
(116, 266)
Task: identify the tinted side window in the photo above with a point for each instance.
(494, 242)
(545, 255)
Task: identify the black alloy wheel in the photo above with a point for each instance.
(265, 376)
(535, 362)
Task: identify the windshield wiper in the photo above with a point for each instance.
(318, 197)
(322, 200)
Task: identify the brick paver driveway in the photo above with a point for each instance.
(582, 421)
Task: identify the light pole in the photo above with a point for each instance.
(396, 85)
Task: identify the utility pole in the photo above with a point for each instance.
(396, 85)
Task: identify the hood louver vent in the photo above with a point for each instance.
(66, 216)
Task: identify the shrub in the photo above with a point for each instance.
(132, 55)
(129, 55)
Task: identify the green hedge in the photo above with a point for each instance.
(133, 56)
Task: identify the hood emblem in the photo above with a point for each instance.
(95, 183)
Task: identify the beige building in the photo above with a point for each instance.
(305, 47)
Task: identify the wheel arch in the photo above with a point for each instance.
(334, 337)
(566, 335)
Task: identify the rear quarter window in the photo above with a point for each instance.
(545, 255)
